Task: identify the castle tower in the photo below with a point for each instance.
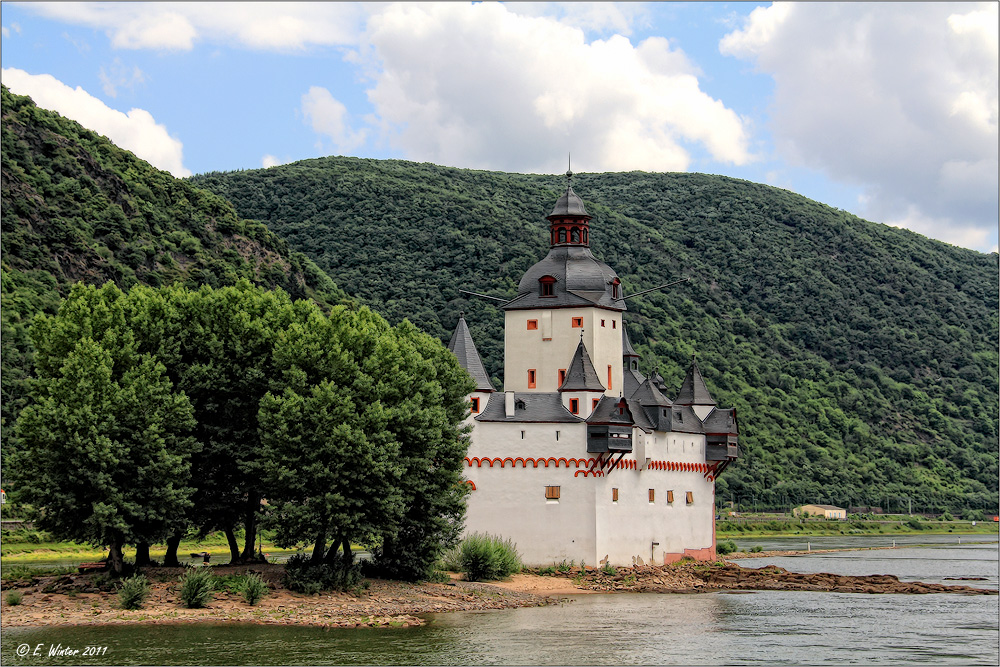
(463, 347)
(568, 293)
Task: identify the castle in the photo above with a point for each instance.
(581, 457)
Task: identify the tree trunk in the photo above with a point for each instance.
(320, 548)
(234, 546)
(348, 554)
(115, 555)
(170, 559)
(251, 532)
(142, 554)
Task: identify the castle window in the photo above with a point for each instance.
(562, 236)
(602, 323)
(575, 235)
(577, 322)
(614, 495)
(519, 404)
(532, 325)
(574, 406)
(552, 493)
(522, 435)
(609, 376)
(557, 436)
(614, 324)
(475, 405)
(546, 286)
(670, 497)
(562, 376)
(594, 403)
(690, 497)
(652, 496)
(531, 378)
(616, 289)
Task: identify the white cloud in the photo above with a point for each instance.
(328, 117)
(179, 25)
(272, 161)
(899, 98)
(117, 75)
(135, 131)
(482, 86)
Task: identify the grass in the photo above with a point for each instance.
(14, 553)
(791, 528)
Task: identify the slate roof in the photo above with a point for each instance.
(631, 380)
(722, 421)
(468, 357)
(693, 390)
(569, 204)
(627, 349)
(684, 420)
(581, 280)
(581, 376)
(649, 394)
(537, 407)
(606, 412)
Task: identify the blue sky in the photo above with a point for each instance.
(887, 110)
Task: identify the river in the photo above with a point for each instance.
(760, 627)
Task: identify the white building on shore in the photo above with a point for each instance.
(581, 457)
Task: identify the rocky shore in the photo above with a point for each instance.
(77, 599)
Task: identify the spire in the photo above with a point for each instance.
(581, 376)
(627, 349)
(693, 390)
(468, 357)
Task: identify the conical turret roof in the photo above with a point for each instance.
(465, 350)
(581, 376)
(693, 390)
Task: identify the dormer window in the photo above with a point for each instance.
(546, 286)
(616, 289)
(519, 405)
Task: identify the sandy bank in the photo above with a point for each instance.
(72, 600)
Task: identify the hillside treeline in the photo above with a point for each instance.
(861, 358)
(78, 208)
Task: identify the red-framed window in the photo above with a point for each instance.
(652, 495)
(574, 406)
(609, 376)
(475, 405)
(593, 404)
(546, 286)
(670, 496)
(532, 325)
(602, 323)
(562, 376)
(531, 378)
(614, 495)
(690, 497)
(577, 322)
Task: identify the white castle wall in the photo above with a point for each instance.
(550, 347)
(585, 524)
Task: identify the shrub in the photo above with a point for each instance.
(609, 569)
(947, 517)
(14, 598)
(253, 588)
(914, 523)
(725, 547)
(486, 557)
(304, 576)
(438, 577)
(756, 549)
(451, 560)
(133, 591)
(197, 587)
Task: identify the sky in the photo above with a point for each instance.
(886, 110)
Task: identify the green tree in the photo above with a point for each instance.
(104, 453)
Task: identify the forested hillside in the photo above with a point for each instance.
(862, 359)
(78, 208)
